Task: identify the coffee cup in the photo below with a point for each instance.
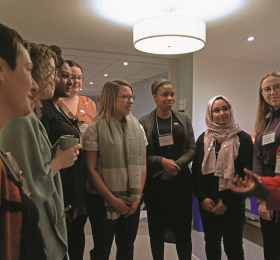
(67, 142)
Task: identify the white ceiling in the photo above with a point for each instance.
(96, 64)
(101, 45)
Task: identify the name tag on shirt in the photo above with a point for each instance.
(83, 127)
(165, 140)
(277, 166)
(268, 138)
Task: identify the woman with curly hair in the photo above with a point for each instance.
(27, 139)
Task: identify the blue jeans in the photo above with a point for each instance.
(104, 230)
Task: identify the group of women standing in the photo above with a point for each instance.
(124, 159)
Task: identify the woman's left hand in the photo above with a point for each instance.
(133, 207)
(165, 175)
(220, 208)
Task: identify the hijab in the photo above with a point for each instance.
(223, 166)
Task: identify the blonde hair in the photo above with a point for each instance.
(265, 112)
(106, 105)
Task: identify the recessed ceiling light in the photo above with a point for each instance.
(251, 38)
(80, 89)
(91, 83)
(105, 75)
(125, 63)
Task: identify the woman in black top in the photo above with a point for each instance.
(168, 188)
(58, 124)
(224, 150)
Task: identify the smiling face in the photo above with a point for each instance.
(123, 107)
(77, 82)
(63, 88)
(221, 112)
(47, 88)
(17, 86)
(165, 97)
(273, 98)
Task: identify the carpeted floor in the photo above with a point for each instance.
(253, 250)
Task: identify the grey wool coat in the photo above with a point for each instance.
(188, 148)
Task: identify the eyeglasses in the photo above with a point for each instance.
(268, 90)
(78, 78)
(53, 72)
(126, 97)
(217, 111)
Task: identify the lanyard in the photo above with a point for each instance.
(158, 127)
(268, 138)
(273, 130)
(66, 117)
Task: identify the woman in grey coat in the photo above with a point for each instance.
(168, 189)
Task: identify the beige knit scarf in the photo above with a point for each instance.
(122, 154)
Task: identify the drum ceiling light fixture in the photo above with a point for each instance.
(169, 34)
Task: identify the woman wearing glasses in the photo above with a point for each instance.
(224, 150)
(115, 149)
(57, 124)
(77, 107)
(82, 110)
(168, 189)
(40, 163)
(265, 154)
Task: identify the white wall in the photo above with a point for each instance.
(236, 79)
(144, 102)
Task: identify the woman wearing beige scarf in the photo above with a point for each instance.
(223, 151)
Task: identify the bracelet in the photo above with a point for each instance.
(260, 179)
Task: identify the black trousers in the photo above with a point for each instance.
(104, 230)
(271, 238)
(230, 227)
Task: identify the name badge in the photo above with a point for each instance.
(81, 142)
(268, 138)
(82, 111)
(165, 140)
(277, 166)
(83, 127)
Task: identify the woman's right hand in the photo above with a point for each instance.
(170, 166)
(208, 204)
(66, 158)
(120, 206)
(264, 213)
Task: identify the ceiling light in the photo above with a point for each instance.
(80, 89)
(125, 63)
(251, 38)
(91, 83)
(105, 75)
(169, 34)
(128, 12)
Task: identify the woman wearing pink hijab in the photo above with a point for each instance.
(224, 150)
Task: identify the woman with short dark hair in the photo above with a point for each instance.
(168, 189)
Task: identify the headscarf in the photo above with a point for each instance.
(226, 134)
